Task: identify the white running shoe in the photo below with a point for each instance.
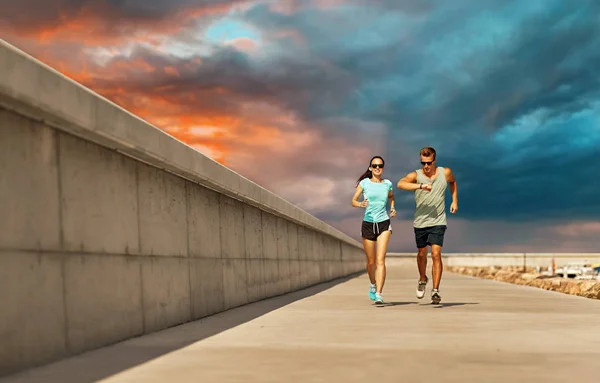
(421, 288)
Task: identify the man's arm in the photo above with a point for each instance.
(409, 182)
(453, 189)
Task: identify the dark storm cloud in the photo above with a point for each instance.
(159, 8)
(530, 75)
(292, 84)
(39, 13)
(463, 96)
(552, 69)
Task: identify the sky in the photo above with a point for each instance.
(298, 95)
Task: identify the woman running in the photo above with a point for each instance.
(376, 227)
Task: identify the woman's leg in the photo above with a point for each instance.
(380, 273)
(370, 251)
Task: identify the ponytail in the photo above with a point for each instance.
(367, 174)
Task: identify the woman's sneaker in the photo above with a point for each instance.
(421, 288)
(436, 298)
(372, 291)
(378, 299)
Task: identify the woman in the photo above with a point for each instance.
(376, 226)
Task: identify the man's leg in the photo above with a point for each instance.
(436, 238)
(436, 270)
(422, 263)
(421, 242)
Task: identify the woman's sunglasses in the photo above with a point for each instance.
(377, 166)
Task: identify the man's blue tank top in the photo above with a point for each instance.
(377, 194)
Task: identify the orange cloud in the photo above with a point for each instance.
(171, 71)
(289, 7)
(243, 44)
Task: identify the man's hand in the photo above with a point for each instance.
(426, 187)
(454, 207)
(364, 203)
(393, 213)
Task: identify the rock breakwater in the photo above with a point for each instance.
(516, 275)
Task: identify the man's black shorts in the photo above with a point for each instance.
(372, 230)
(433, 235)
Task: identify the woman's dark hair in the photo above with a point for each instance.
(368, 173)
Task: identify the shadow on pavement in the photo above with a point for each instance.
(438, 306)
(388, 304)
(452, 304)
(102, 363)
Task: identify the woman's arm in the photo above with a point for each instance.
(355, 202)
(392, 201)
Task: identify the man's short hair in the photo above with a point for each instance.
(427, 151)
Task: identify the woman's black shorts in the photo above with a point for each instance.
(372, 230)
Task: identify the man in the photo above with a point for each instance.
(429, 185)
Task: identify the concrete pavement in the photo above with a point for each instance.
(484, 331)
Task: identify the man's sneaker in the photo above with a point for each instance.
(436, 298)
(378, 299)
(421, 288)
(372, 291)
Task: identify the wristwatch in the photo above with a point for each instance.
(420, 186)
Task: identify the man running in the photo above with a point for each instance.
(429, 185)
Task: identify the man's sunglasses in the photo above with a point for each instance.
(426, 162)
(377, 166)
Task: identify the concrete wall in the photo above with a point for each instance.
(501, 259)
(111, 229)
